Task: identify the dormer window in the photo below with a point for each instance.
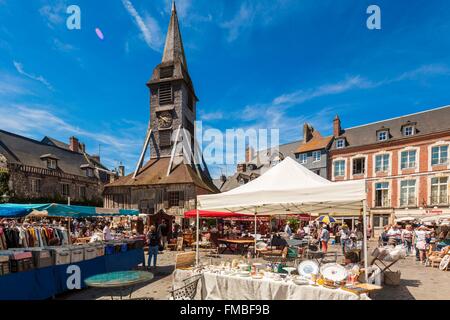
(89, 172)
(51, 164)
(408, 131)
(51, 161)
(340, 143)
(383, 135)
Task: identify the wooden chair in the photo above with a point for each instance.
(436, 257)
(180, 242)
(185, 260)
(188, 239)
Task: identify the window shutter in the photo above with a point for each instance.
(165, 199)
(165, 93)
(165, 138)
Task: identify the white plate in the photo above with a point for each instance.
(334, 272)
(308, 267)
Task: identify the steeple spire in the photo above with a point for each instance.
(173, 48)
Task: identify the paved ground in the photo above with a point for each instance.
(417, 282)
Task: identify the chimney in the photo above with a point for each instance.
(74, 144)
(112, 177)
(337, 126)
(82, 147)
(121, 170)
(96, 157)
(248, 154)
(307, 132)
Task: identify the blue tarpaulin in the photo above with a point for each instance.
(12, 210)
(44, 283)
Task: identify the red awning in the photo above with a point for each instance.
(213, 214)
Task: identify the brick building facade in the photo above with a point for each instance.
(404, 162)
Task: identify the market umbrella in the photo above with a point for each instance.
(326, 219)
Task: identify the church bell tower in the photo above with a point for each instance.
(172, 97)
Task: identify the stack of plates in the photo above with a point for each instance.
(307, 268)
(334, 272)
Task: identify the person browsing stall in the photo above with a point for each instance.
(153, 246)
(324, 238)
(107, 236)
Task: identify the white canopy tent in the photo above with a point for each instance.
(290, 188)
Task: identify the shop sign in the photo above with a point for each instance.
(433, 212)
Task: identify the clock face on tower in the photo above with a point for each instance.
(165, 120)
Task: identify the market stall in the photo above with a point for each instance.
(37, 260)
(227, 286)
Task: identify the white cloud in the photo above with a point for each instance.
(217, 115)
(11, 86)
(242, 20)
(41, 79)
(425, 70)
(54, 14)
(62, 46)
(254, 14)
(38, 121)
(149, 28)
(301, 96)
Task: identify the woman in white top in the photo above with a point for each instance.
(107, 232)
(421, 243)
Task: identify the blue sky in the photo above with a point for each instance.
(255, 64)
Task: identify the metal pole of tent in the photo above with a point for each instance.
(255, 233)
(70, 237)
(197, 253)
(365, 244)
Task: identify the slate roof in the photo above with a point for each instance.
(285, 150)
(154, 172)
(426, 122)
(51, 141)
(22, 150)
(258, 165)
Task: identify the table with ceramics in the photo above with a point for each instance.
(238, 283)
